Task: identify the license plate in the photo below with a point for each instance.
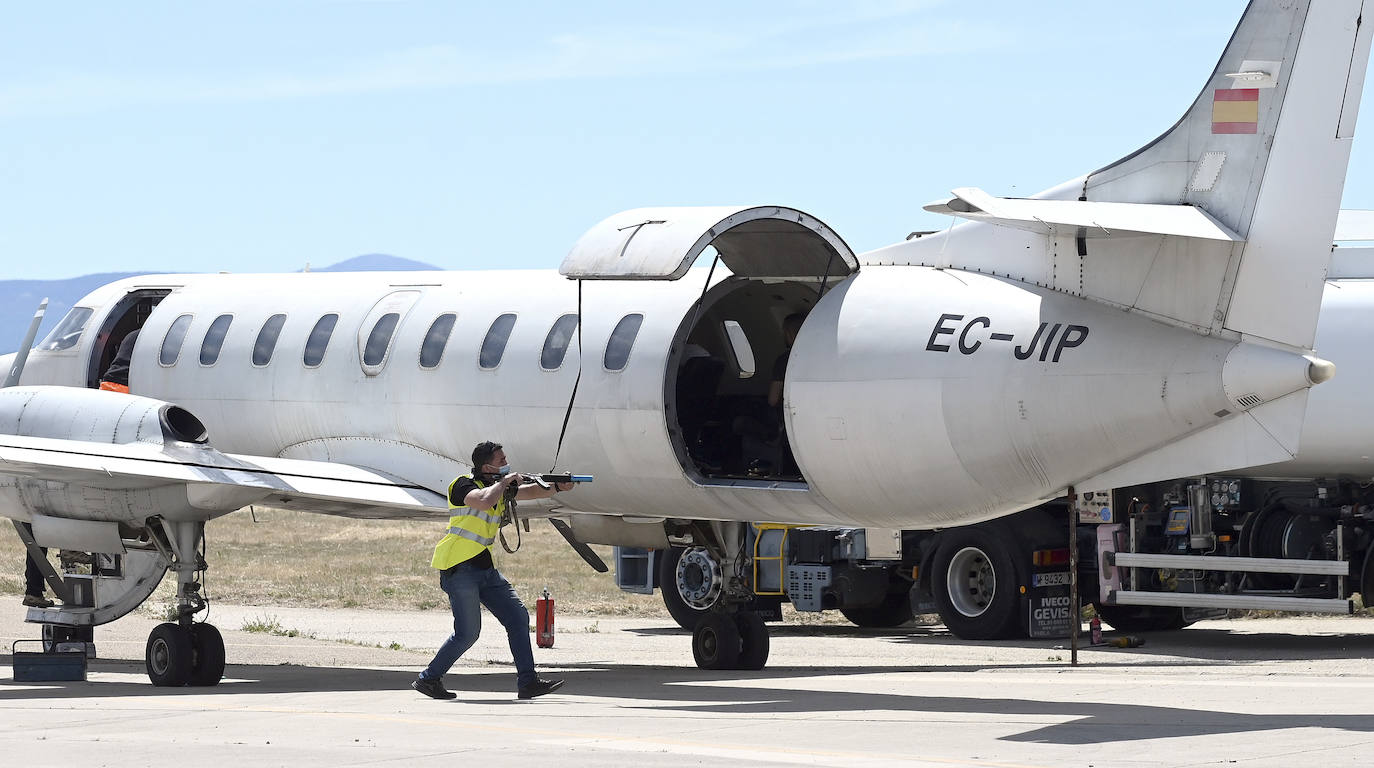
(1060, 579)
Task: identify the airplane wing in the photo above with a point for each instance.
(216, 481)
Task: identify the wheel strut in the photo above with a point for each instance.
(182, 652)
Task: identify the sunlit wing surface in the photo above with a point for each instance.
(218, 482)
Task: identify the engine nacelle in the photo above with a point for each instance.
(68, 413)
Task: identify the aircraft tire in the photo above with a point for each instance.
(974, 583)
(208, 645)
(716, 641)
(685, 615)
(168, 655)
(893, 611)
(753, 634)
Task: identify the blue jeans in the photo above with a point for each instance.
(467, 589)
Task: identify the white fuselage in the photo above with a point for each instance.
(915, 397)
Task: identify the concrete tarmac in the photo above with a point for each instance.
(1269, 692)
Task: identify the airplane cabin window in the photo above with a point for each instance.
(380, 339)
(68, 332)
(494, 345)
(171, 343)
(621, 341)
(436, 339)
(267, 339)
(741, 349)
(214, 339)
(556, 343)
(319, 340)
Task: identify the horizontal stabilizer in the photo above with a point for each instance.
(1354, 225)
(1082, 218)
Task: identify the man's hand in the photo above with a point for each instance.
(563, 486)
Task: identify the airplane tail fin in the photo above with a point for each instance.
(1263, 151)
(1223, 224)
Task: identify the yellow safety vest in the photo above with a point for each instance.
(469, 532)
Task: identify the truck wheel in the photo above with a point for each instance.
(1366, 583)
(974, 582)
(685, 615)
(1142, 618)
(893, 611)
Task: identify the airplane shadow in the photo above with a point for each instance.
(1106, 719)
(1194, 644)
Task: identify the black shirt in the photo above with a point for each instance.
(118, 372)
(780, 366)
(457, 495)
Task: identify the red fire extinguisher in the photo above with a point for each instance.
(543, 620)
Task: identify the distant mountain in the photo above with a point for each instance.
(19, 298)
(377, 262)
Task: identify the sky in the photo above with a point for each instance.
(265, 136)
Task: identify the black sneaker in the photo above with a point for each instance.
(433, 689)
(540, 687)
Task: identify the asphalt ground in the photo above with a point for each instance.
(1259, 692)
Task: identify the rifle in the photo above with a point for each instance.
(546, 481)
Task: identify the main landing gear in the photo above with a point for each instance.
(182, 652)
(726, 634)
(736, 640)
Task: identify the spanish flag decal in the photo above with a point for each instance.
(1235, 110)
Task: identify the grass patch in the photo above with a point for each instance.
(264, 624)
(272, 626)
(291, 558)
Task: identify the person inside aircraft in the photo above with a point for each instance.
(697, 381)
(791, 326)
(34, 585)
(469, 577)
(116, 378)
(762, 431)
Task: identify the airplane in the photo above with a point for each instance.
(1147, 320)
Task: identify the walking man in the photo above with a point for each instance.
(469, 577)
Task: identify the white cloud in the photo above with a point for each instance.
(871, 30)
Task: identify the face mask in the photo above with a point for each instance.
(504, 470)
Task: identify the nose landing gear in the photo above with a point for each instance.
(182, 652)
(179, 655)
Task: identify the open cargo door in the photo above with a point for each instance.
(662, 244)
